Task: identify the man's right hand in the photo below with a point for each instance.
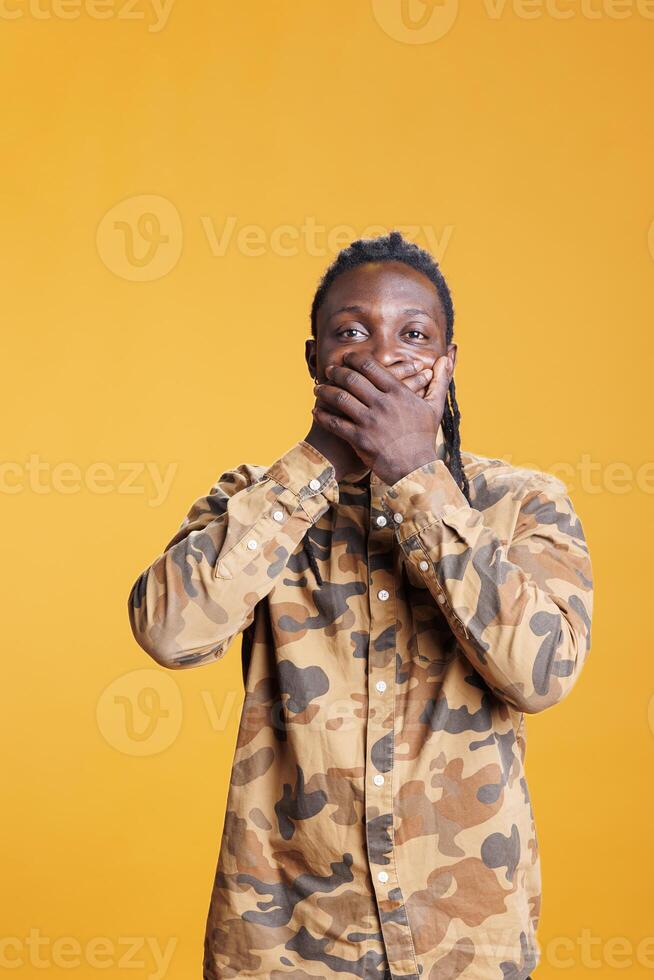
(339, 452)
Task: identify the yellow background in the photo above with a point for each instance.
(524, 145)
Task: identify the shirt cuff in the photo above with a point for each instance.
(309, 475)
(421, 498)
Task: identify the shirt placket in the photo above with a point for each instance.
(380, 742)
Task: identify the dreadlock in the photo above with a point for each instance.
(394, 248)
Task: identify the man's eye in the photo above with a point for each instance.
(347, 329)
(418, 331)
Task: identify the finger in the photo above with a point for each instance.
(420, 380)
(437, 389)
(341, 401)
(348, 378)
(377, 375)
(335, 424)
(405, 370)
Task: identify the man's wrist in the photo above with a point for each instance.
(340, 454)
(396, 473)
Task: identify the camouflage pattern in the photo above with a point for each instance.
(378, 822)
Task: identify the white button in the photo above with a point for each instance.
(378, 780)
(383, 595)
(381, 685)
(278, 515)
(441, 598)
(381, 521)
(424, 565)
(314, 484)
(397, 517)
(252, 544)
(383, 875)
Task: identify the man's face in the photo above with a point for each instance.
(386, 309)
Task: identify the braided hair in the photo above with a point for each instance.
(395, 248)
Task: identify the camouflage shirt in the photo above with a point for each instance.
(378, 812)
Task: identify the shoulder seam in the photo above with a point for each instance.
(524, 473)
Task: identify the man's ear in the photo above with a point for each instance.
(452, 350)
(311, 356)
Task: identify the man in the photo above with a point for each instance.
(403, 604)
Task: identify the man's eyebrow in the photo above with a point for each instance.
(347, 309)
(414, 310)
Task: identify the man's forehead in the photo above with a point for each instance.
(384, 285)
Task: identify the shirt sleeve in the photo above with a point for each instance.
(521, 609)
(231, 548)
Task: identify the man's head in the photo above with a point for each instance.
(387, 297)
